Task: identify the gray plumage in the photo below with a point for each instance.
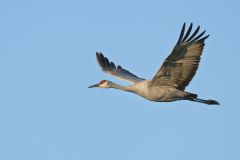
(174, 75)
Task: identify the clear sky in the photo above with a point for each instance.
(47, 61)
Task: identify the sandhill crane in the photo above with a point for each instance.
(174, 75)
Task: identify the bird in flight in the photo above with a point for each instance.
(171, 79)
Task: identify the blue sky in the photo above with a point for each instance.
(47, 61)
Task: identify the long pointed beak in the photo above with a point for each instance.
(95, 85)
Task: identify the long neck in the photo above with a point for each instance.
(124, 88)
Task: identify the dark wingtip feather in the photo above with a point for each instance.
(182, 33)
(97, 55)
(202, 39)
(104, 63)
(194, 34)
(110, 68)
(113, 66)
(101, 61)
(199, 36)
(98, 60)
(108, 65)
(188, 32)
(119, 67)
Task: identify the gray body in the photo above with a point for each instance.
(171, 79)
(158, 94)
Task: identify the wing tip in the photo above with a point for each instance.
(206, 37)
(100, 60)
(104, 63)
(188, 37)
(115, 70)
(181, 33)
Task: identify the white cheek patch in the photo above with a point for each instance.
(103, 85)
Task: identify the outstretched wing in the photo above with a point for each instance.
(117, 71)
(180, 66)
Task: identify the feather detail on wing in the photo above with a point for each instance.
(180, 66)
(116, 71)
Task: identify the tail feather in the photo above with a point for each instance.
(209, 101)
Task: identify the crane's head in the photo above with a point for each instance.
(102, 84)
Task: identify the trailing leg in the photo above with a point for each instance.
(208, 101)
